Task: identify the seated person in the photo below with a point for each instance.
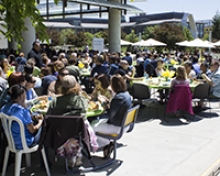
(18, 109)
(189, 70)
(30, 92)
(55, 86)
(120, 103)
(102, 91)
(71, 103)
(98, 69)
(180, 94)
(159, 69)
(214, 80)
(203, 70)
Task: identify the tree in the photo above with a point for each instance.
(13, 13)
(216, 26)
(132, 37)
(54, 35)
(67, 36)
(149, 32)
(169, 34)
(88, 37)
(79, 39)
(187, 34)
(102, 34)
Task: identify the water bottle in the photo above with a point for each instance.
(146, 75)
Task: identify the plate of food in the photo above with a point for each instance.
(93, 106)
(40, 105)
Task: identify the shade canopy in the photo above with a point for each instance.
(123, 42)
(197, 43)
(184, 43)
(149, 42)
(217, 43)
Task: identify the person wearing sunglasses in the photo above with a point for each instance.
(55, 86)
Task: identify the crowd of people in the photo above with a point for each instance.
(110, 81)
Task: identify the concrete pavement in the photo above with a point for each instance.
(159, 148)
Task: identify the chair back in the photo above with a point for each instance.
(150, 70)
(129, 119)
(6, 124)
(180, 99)
(140, 91)
(39, 90)
(202, 91)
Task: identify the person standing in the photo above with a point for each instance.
(35, 53)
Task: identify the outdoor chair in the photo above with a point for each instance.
(128, 121)
(58, 124)
(142, 95)
(39, 90)
(180, 99)
(201, 92)
(6, 123)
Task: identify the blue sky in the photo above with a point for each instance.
(201, 9)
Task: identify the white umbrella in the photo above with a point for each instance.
(184, 43)
(199, 43)
(152, 42)
(217, 43)
(123, 42)
(140, 43)
(149, 42)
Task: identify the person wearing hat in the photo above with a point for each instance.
(71, 103)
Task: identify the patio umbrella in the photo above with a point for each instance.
(184, 43)
(152, 42)
(199, 43)
(149, 42)
(140, 43)
(123, 42)
(217, 43)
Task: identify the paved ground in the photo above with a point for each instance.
(159, 148)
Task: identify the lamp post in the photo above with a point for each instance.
(210, 39)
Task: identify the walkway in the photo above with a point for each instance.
(158, 148)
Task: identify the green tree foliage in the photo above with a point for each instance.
(187, 34)
(67, 36)
(13, 13)
(206, 37)
(79, 39)
(169, 34)
(216, 26)
(88, 38)
(149, 32)
(102, 34)
(132, 37)
(54, 35)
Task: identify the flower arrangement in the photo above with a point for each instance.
(168, 74)
(173, 62)
(81, 65)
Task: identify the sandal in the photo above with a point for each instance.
(107, 150)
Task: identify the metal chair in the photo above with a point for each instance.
(128, 120)
(6, 123)
(141, 94)
(201, 92)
